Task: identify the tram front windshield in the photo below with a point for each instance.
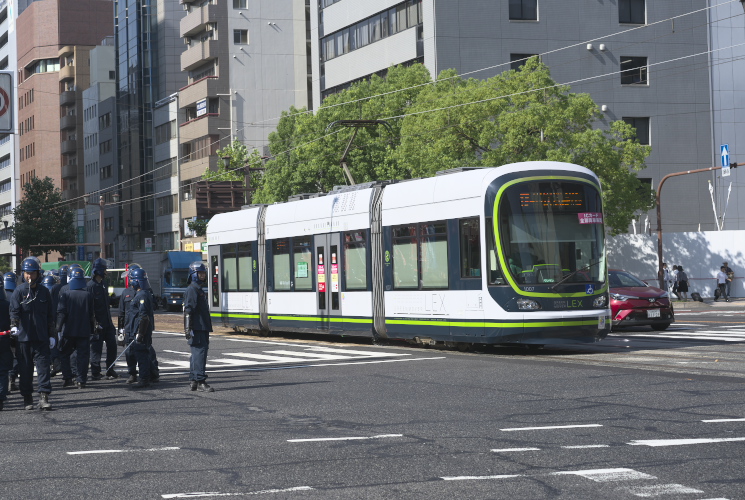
(551, 232)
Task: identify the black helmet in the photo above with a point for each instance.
(131, 268)
(138, 279)
(77, 279)
(99, 267)
(49, 281)
(195, 268)
(9, 280)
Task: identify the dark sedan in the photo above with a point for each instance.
(634, 303)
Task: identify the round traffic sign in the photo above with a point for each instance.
(4, 102)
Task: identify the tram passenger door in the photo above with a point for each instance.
(328, 280)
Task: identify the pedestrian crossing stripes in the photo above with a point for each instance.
(179, 360)
(682, 333)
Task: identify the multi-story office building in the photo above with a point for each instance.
(165, 156)
(54, 39)
(148, 50)
(99, 143)
(246, 62)
(676, 81)
(8, 146)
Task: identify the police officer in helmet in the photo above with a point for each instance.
(75, 326)
(197, 326)
(97, 287)
(126, 298)
(139, 324)
(32, 321)
(51, 282)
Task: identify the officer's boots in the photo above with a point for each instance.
(204, 387)
(44, 403)
(28, 402)
(13, 385)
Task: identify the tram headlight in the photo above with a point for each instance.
(600, 301)
(527, 304)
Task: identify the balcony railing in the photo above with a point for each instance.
(69, 147)
(67, 97)
(68, 122)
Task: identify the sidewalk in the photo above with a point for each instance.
(708, 303)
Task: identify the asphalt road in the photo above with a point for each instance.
(640, 415)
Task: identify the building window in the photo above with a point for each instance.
(106, 172)
(523, 10)
(633, 70)
(104, 121)
(240, 37)
(239, 4)
(166, 205)
(108, 223)
(165, 169)
(641, 124)
(631, 11)
(104, 147)
(6, 209)
(165, 132)
(519, 60)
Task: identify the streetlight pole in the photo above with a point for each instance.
(660, 273)
(101, 204)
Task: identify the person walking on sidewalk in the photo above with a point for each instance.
(731, 275)
(682, 281)
(722, 280)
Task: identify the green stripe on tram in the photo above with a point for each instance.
(323, 319)
(537, 324)
(236, 316)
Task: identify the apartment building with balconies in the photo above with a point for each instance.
(246, 62)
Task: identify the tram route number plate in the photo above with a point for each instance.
(653, 313)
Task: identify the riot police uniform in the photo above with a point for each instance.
(127, 295)
(32, 320)
(197, 327)
(75, 326)
(50, 282)
(139, 323)
(6, 351)
(9, 285)
(97, 287)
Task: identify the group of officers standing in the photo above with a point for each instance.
(60, 322)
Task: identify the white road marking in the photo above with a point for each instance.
(310, 355)
(682, 442)
(725, 420)
(90, 452)
(549, 427)
(579, 447)
(607, 475)
(370, 354)
(471, 478)
(202, 494)
(310, 440)
(662, 489)
(268, 342)
(505, 450)
(177, 352)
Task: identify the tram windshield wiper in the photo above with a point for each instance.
(570, 275)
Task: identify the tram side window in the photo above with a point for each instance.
(434, 254)
(214, 268)
(492, 259)
(405, 274)
(355, 260)
(245, 268)
(229, 269)
(303, 258)
(420, 256)
(470, 248)
(281, 264)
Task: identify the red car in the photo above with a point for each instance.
(634, 303)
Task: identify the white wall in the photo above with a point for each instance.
(700, 253)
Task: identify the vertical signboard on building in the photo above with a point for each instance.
(201, 107)
(6, 102)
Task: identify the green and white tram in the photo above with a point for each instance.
(507, 255)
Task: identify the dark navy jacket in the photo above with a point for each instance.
(127, 295)
(8, 295)
(75, 312)
(55, 296)
(196, 306)
(100, 302)
(140, 307)
(4, 314)
(36, 318)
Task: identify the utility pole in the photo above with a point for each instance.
(660, 274)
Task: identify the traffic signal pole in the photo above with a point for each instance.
(660, 273)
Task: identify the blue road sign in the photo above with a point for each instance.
(724, 152)
(590, 289)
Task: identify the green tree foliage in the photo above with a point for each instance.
(234, 169)
(515, 116)
(199, 227)
(41, 218)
